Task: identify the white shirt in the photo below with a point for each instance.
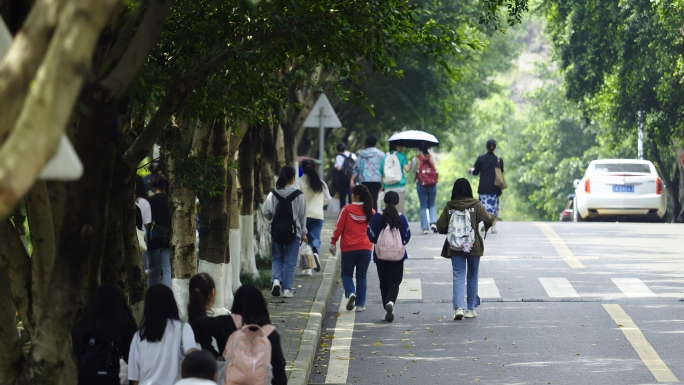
(156, 363)
(195, 381)
(314, 201)
(339, 159)
(145, 210)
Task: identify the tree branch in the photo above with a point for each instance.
(125, 35)
(11, 355)
(20, 276)
(126, 71)
(43, 240)
(20, 63)
(48, 105)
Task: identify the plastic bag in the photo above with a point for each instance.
(306, 259)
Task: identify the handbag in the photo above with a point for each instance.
(499, 180)
(306, 257)
(141, 239)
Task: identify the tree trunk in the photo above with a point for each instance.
(235, 243)
(679, 153)
(246, 177)
(671, 184)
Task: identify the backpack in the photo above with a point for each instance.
(347, 167)
(160, 235)
(426, 175)
(461, 235)
(391, 172)
(248, 354)
(284, 225)
(389, 246)
(98, 362)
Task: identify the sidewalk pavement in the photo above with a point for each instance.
(299, 319)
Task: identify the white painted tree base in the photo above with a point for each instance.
(180, 292)
(222, 275)
(247, 245)
(262, 237)
(235, 245)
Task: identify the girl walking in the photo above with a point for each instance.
(316, 195)
(356, 248)
(390, 250)
(285, 207)
(426, 187)
(462, 202)
(489, 192)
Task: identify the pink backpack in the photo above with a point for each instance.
(389, 246)
(248, 354)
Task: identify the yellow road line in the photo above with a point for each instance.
(644, 349)
(560, 246)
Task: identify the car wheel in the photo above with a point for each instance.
(576, 217)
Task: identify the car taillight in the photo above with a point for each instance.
(659, 186)
(587, 186)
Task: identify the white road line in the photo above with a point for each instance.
(410, 289)
(486, 288)
(633, 287)
(338, 367)
(639, 342)
(558, 287)
(560, 246)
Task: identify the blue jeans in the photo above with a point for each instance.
(284, 262)
(359, 259)
(458, 263)
(426, 196)
(159, 265)
(313, 229)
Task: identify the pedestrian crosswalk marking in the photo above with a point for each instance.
(558, 287)
(410, 289)
(633, 287)
(338, 368)
(560, 246)
(639, 342)
(486, 288)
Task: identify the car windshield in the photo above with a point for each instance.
(622, 167)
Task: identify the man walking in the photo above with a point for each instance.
(367, 169)
(344, 170)
(489, 192)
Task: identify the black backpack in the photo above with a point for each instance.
(160, 235)
(348, 167)
(98, 362)
(284, 225)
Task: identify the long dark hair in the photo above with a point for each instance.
(461, 189)
(140, 191)
(109, 314)
(160, 307)
(309, 168)
(423, 147)
(390, 215)
(286, 175)
(251, 305)
(201, 287)
(362, 192)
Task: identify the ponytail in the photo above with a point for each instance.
(201, 287)
(285, 176)
(366, 198)
(390, 215)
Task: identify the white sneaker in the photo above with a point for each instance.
(494, 229)
(351, 302)
(360, 308)
(470, 314)
(433, 227)
(287, 293)
(317, 263)
(426, 232)
(275, 290)
(458, 314)
(389, 308)
(307, 272)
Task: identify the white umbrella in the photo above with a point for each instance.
(414, 138)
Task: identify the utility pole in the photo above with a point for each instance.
(640, 142)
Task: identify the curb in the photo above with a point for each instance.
(302, 366)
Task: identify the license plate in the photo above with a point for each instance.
(619, 189)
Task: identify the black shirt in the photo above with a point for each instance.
(484, 166)
(159, 205)
(222, 327)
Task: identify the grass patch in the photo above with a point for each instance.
(262, 281)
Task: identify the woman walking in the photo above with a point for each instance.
(316, 195)
(390, 250)
(161, 342)
(463, 204)
(285, 208)
(489, 192)
(356, 248)
(158, 252)
(426, 187)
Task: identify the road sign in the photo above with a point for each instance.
(322, 115)
(65, 164)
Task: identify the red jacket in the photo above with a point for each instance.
(352, 225)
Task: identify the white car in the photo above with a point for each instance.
(620, 187)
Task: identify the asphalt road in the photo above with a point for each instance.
(562, 303)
